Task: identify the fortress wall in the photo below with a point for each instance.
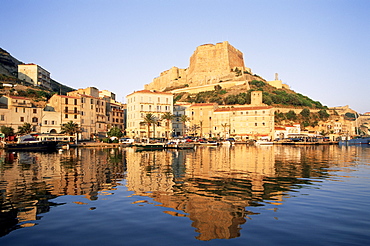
(209, 62)
(168, 78)
(208, 65)
(198, 89)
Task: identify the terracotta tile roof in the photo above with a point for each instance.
(63, 96)
(279, 128)
(243, 108)
(15, 97)
(150, 92)
(202, 104)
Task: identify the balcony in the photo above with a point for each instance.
(71, 112)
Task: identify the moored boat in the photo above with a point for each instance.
(149, 146)
(356, 140)
(29, 143)
(179, 145)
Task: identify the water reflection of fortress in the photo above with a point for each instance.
(212, 186)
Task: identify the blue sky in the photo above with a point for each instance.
(320, 48)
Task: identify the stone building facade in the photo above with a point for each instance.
(34, 74)
(141, 103)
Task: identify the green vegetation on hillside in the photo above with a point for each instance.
(271, 96)
(305, 118)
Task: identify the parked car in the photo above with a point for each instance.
(126, 140)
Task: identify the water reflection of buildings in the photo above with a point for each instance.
(215, 186)
(212, 186)
(29, 180)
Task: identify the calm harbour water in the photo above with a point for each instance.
(240, 195)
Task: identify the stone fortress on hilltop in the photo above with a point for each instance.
(209, 65)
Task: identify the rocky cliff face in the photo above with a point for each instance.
(8, 64)
(209, 65)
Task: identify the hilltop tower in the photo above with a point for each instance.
(210, 63)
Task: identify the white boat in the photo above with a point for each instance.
(263, 141)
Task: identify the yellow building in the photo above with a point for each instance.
(34, 74)
(244, 122)
(141, 103)
(201, 119)
(15, 111)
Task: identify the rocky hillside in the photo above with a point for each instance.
(8, 64)
(9, 73)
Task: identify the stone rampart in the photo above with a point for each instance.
(209, 65)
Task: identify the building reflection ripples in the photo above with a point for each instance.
(212, 186)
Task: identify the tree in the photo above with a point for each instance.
(149, 119)
(115, 132)
(194, 129)
(184, 119)
(305, 113)
(8, 131)
(25, 129)
(70, 128)
(224, 126)
(291, 115)
(167, 117)
(323, 115)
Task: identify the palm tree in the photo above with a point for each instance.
(25, 129)
(168, 117)
(70, 128)
(184, 119)
(149, 119)
(194, 128)
(225, 125)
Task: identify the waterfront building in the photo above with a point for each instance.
(98, 114)
(34, 74)
(141, 103)
(201, 119)
(179, 126)
(15, 111)
(282, 132)
(244, 122)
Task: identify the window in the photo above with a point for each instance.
(66, 116)
(255, 124)
(35, 119)
(34, 110)
(22, 119)
(53, 122)
(66, 100)
(2, 117)
(45, 122)
(75, 116)
(66, 109)
(91, 101)
(75, 101)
